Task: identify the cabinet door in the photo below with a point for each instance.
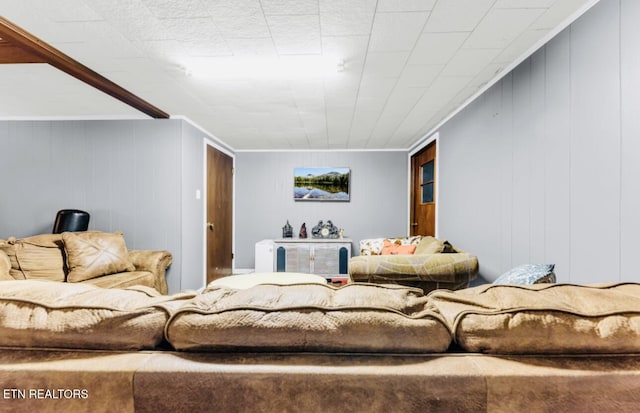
(298, 258)
(325, 259)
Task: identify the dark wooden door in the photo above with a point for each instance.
(219, 214)
(423, 191)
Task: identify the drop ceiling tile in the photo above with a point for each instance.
(172, 9)
(289, 7)
(201, 28)
(52, 93)
(178, 53)
(399, 104)
(524, 43)
(207, 48)
(100, 41)
(500, 27)
(338, 122)
(559, 12)
(374, 87)
(393, 32)
(239, 19)
(436, 48)
(457, 15)
(54, 32)
(345, 84)
(524, 4)
(382, 64)
(67, 11)
(132, 18)
(419, 75)
(440, 93)
(313, 121)
(352, 50)
(405, 5)
(339, 18)
(468, 62)
(252, 47)
(295, 34)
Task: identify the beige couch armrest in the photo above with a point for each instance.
(155, 262)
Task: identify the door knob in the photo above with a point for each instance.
(210, 226)
(414, 224)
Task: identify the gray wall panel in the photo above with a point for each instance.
(595, 124)
(264, 197)
(630, 139)
(568, 153)
(523, 142)
(557, 160)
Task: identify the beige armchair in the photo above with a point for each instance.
(434, 264)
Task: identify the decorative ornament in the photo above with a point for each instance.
(287, 231)
(303, 231)
(327, 230)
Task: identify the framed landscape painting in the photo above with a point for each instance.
(321, 184)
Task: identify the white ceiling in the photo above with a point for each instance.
(408, 64)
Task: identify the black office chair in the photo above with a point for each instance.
(71, 220)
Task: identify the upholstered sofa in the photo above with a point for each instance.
(419, 261)
(316, 347)
(94, 257)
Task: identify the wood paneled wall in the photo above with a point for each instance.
(544, 166)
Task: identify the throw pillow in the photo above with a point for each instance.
(430, 245)
(94, 254)
(528, 274)
(397, 249)
(38, 257)
(371, 246)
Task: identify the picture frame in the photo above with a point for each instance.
(322, 184)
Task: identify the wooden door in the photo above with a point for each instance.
(423, 191)
(219, 214)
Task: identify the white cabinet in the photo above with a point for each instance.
(326, 257)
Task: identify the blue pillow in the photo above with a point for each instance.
(527, 274)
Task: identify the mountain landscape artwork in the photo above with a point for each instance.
(321, 184)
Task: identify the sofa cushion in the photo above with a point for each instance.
(5, 267)
(528, 274)
(37, 257)
(544, 318)
(310, 317)
(45, 314)
(242, 281)
(125, 279)
(429, 245)
(94, 254)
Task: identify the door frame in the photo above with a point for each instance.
(205, 143)
(433, 138)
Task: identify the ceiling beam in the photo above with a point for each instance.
(27, 48)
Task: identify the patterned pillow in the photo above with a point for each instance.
(527, 274)
(371, 246)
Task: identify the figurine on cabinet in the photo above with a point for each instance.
(287, 231)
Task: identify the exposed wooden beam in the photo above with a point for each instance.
(27, 48)
(12, 54)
